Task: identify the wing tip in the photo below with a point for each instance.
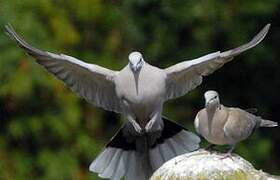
(266, 29)
(261, 35)
(10, 31)
(267, 26)
(7, 26)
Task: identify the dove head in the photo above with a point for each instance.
(136, 61)
(211, 98)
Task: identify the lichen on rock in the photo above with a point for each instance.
(202, 165)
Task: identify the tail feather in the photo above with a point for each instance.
(132, 168)
(176, 148)
(102, 161)
(136, 169)
(268, 123)
(121, 158)
(111, 168)
(189, 140)
(166, 151)
(181, 143)
(156, 157)
(121, 166)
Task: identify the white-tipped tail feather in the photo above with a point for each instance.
(181, 143)
(268, 123)
(121, 158)
(114, 163)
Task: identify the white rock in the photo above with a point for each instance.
(205, 165)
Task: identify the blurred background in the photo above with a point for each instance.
(48, 132)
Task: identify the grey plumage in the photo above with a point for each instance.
(187, 75)
(222, 125)
(139, 163)
(268, 123)
(138, 91)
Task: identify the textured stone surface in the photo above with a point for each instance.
(205, 165)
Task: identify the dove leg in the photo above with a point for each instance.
(231, 149)
(228, 154)
(155, 123)
(136, 129)
(132, 120)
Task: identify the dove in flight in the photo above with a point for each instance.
(138, 92)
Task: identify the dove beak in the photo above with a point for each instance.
(134, 68)
(208, 102)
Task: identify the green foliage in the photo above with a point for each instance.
(48, 132)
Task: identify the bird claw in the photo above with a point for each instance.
(149, 126)
(225, 156)
(137, 128)
(153, 126)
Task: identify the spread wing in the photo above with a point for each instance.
(185, 76)
(91, 82)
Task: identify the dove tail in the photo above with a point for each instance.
(136, 158)
(174, 140)
(118, 159)
(268, 123)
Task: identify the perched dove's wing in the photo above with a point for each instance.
(185, 76)
(240, 124)
(92, 82)
(252, 110)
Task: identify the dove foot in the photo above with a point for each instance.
(228, 154)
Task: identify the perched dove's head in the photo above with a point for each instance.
(136, 61)
(211, 98)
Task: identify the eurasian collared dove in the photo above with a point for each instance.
(222, 125)
(138, 92)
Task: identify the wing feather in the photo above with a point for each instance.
(92, 82)
(187, 75)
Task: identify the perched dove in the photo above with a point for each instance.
(138, 91)
(222, 125)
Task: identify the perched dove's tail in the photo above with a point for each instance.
(268, 123)
(123, 157)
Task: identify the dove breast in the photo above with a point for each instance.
(211, 125)
(141, 94)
